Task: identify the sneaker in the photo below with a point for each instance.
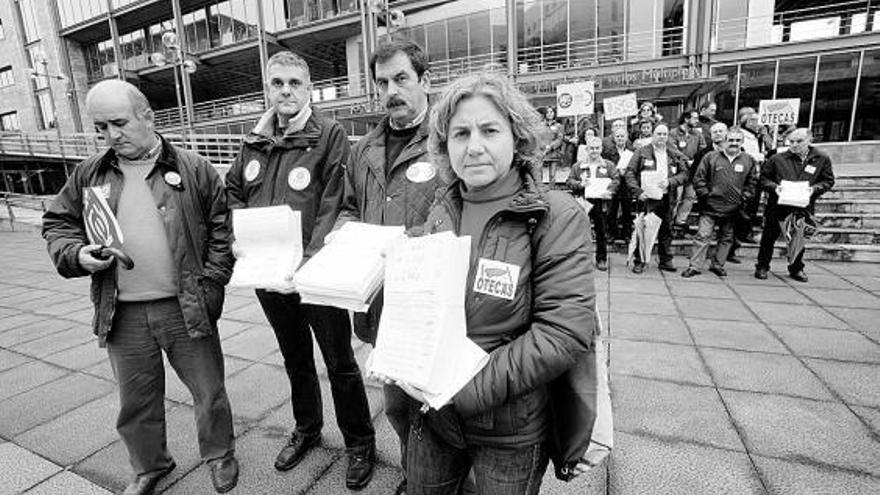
(761, 273)
(689, 272)
(717, 270)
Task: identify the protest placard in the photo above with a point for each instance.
(575, 99)
(618, 107)
(779, 112)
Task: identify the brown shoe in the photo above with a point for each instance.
(144, 484)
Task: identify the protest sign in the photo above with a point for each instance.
(575, 99)
(779, 112)
(619, 107)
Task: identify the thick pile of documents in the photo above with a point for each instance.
(597, 188)
(269, 241)
(795, 193)
(651, 183)
(422, 338)
(347, 272)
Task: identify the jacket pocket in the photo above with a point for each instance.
(213, 295)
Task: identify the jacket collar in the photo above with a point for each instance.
(264, 132)
(167, 159)
(374, 149)
(531, 199)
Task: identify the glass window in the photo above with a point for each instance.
(555, 33)
(673, 27)
(458, 37)
(6, 78)
(347, 6)
(480, 34)
(583, 32)
(29, 19)
(867, 125)
(296, 12)
(725, 93)
(796, 81)
(435, 33)
(37, 56)
(328, 8)
(755, 84)
(9, 122)
(498, 19)
(528, 32)
(47, 113)
(834, 96)
(730, 26)
(610, 27)
(642, 32)
(76, 11)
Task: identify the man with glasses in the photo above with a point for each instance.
(724, 181)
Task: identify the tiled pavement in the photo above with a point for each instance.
(719, 386)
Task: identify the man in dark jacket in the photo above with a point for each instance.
(724, 181)
(171, 210)
(620, 153)
(802, 162)
(707, 117)
(657, 157)
(389, 179)
(295, 157)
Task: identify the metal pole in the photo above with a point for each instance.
(114, 35)
(261, 42)
(852, 121)
(57, 124)
(179, 103)
(181, 48)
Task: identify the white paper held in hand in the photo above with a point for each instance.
(651, 183)
(422, 338)
(270, 239)
(597, 188)
(795, 193)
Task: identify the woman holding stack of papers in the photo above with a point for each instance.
(529, 295)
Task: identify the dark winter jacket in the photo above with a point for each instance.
(580, 172)
(722, 186)
(195, 207)
(687, 142)
(816, 169)
(643, 161)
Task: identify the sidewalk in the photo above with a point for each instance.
(719, 386)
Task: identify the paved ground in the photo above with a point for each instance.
(719, 386)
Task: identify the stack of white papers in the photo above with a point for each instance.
(795, 193)
(651, 184)
(597, 188)
(348, 272)
(623, 162)
(422, 336)
(269, 240)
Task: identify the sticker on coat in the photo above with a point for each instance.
(810, 169)
(420, 172)
(172, 178)
(496, 278)
(299, 178)
(252, 170)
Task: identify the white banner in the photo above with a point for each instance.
(618, 107)
(779, 112)
(575, 99)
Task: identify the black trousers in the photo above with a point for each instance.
(291, 320)
(662, 209)
(597, 218)
(771, 231)
(621, 202)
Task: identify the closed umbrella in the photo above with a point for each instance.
(797, 227)
(652, 228)
(637, 239)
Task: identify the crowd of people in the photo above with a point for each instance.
(470, 164)
(721, 172)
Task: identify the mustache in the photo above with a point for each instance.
(394, 101)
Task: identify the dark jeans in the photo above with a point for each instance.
(662, 209)
(623, 203)
(141, 331)
(291, 320)
(597, 218)
(769, 234)
(434, 467)
(397, 408)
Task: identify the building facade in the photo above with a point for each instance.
(676, 53)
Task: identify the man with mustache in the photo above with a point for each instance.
(295, 156)
(390, 180)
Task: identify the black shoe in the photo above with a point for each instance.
(602, 265)
(144, 484)
(224, 473)
(761, 273)
(360, 468)
(750, 239)
(401, 488)
(638, 267)
(800, 276)
(734, 259)
(295, 450)
(689, 272)
(717, 270)
(667, 266)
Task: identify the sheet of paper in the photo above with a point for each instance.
(795, 193)
(469, 360)
(623, 162)
(597, 188)
(270, 242)
(651, 184)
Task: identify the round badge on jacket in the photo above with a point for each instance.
(682, 144)
(252, 170)
(299, 178)
(420, 172)
(172, 179)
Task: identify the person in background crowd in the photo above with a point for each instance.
(390, 180)
(801, 162)
(707, 116)
(484, 131)
(608, 142)
(595, 167)
(645, 134)
(724, 181)
(657, 156)
(295, 157)
(717, 133)
(757, 142)
(688, 139)
(171, 207)
(647, 111)
(554, 150)
(620, 155)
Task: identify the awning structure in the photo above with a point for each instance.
(667, 91)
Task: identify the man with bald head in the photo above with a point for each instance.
(801, 162)
(171, 209)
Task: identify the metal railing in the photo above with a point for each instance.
(791, 26)
(233, 106)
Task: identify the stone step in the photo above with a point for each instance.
(857, 180)
(867, 152)
(813, 252)
(850, 220)
(834, 235)
(853, 192)
(856, 206)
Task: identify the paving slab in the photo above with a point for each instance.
(17, 320)
(742, 335)
(11, 359)
(870, 415)
(593, 482)
(676, 363)
(650, 304)
(770, 293)
(691, 288)
(849, 298)
(795, 315)
(766, 373)
(671, 412)
(59, 341)
(67, 483)
(76, 358)
(332, 481)
(653, 328)
(249, 313)
(227, 328)
(22, 469)
(857, 383)
(793, 478)
(254, 343)
(256, 390)
(641, 286)
(830, 344)
(820, 280)
(27, 376)
(36, 329)
(866, 321)
(647, 465)
(867, 282)
(804, 430)
(721, 309)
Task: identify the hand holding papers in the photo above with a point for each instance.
(347, 272)
(422, 338)
(597, 188)
(653, 184)
(794, 193)
(269, 240)
(623, 162)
